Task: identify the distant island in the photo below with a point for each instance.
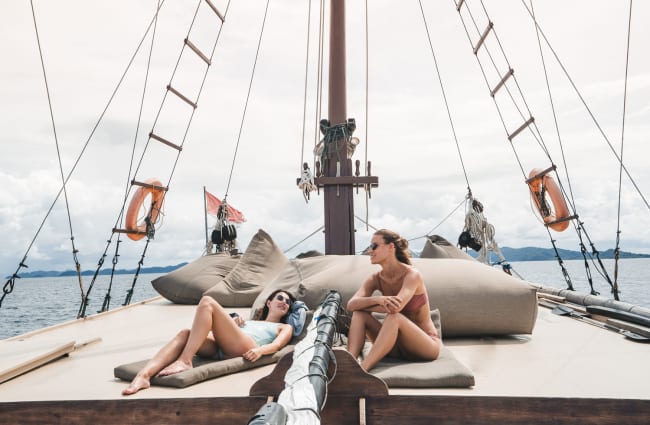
(511, 254)
(103, 272)
(548, 254)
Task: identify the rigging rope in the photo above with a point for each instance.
(592, 116)
(150, 226)
(129, 293)
(565, 272)
(306, 184)
(309, 236)
(534, 130)
(319, 83)
(366, 223)
(620, 172)
(444, 96)
(460, 204)
(552, 104)
(475, 222)
(250, 87)
(82, 308)
(304, 102)
(107, 297)
(365, 157)
(58, 153)
(600, 268)
(9, 285)
(583, 251)
(84, 302)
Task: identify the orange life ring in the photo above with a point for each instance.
(557, 210)
(153, 208)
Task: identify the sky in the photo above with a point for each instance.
(404, 131)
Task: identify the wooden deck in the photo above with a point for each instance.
(567, 372)
(341, 409)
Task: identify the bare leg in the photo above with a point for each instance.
(176, 356)
(210, 316)
(412, 341)
(165, 356)
(362, 322)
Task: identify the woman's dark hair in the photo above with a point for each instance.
(265, 309)
(401, 245)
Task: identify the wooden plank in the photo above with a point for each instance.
(619, 314)
(521, 128)
(196, 411)
(579, 313)
(196, 50)
(350, 379)
(351, 180)
(415, 410)
(42, 357)
(640, 330)
(215, 10)
(551, 297)
(339, 410)
(181, 96)
(483, 36)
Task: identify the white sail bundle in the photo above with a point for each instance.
(299, 397)
(305, 392)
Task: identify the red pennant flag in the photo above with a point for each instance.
(213, 203)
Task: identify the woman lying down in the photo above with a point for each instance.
(216, 334)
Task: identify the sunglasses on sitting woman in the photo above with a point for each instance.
(373, 246)
(283, 299)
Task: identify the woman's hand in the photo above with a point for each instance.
(240, 321)
(391, 303)
(253, 354)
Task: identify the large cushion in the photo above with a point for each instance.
(187, 284)
(446, 371)
(439, 247)
(203, 369)
(473, 298)
(260, 264)
(310, 279)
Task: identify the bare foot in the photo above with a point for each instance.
(138, 383)
(176, 367)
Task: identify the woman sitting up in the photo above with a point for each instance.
(216, 334)
(407, 330)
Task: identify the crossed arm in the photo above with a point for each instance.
(364, 299)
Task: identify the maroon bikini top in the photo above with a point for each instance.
(414, 303)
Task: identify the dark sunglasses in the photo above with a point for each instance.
(373, 246)
(283, 299)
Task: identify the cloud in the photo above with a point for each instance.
(409, 138)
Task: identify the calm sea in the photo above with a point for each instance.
(41, 302)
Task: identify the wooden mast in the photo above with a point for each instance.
(339, 205)
(337, 180)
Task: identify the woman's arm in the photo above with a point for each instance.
(363, 299)
(285, 332)
(412, 281)
(395, 303)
